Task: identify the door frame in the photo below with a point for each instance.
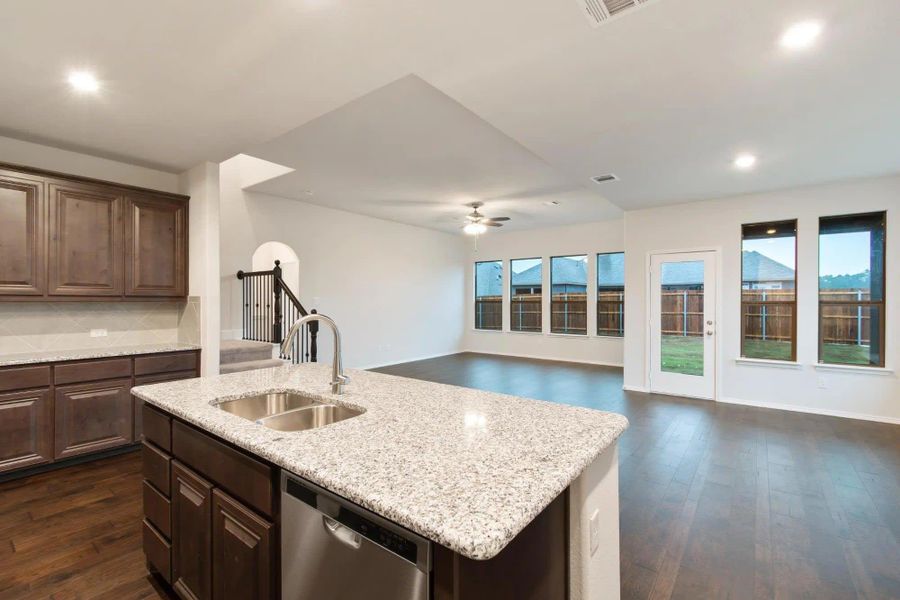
(648, 322)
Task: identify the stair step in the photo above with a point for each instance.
(252, 365)
(238, 351)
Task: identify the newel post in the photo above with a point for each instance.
(313, 339)
(277, 316)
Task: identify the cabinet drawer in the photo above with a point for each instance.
(243, 477)
(157, 509)
(156, 467)
(92, 370)
(21, 378)
(158, 551)
(165, 363)
(157, 427)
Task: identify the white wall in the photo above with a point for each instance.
(74, 163)
(590, 239)
(394, 290)
(201, 183)
(717, 223)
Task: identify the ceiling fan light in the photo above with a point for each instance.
(474, 228)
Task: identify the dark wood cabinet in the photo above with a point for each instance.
(155, 247)
(191, 533)
(92, 417)
(22, 243)
(64, 237)
(26, 428)
(86, 247)
(242, 554)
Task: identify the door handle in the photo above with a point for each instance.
(346, 536)
(709, 332)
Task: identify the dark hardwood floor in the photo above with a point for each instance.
(717, 501)
(725, 501)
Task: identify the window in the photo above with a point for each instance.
(568, 299)
(851, 289)
(525, 294)
(611, 294)
(489, 295)
(768, 290)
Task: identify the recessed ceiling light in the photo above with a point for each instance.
(83, 81)
(744, 161)
(801, 35)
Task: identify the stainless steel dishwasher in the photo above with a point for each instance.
(332, 549)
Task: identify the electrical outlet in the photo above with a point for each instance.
(98, 333)
(595, 531)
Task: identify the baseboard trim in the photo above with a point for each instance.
(813, 411)
(597, 363)
(635, 388)
(405, 360)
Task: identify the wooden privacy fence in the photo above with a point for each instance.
(525, 312)
(489, 312)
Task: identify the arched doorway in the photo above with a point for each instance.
(266, 254)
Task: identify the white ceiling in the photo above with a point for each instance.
(664, 96)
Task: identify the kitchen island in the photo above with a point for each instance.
(477, 473)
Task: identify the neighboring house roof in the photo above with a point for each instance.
(489, 279)
(759, 267)
(612, 268)
(530, 277)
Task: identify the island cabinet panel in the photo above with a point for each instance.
(243, 550)
(23, 267)
(92, 417)
(155, 247)
(157, 509)
(191, 533)
(242, 476)
(534, 566)
(86, 241)
(158, 551)
(157, 467)
(26, 429)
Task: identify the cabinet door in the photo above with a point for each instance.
(139, 404)
(92, 417)
(242, 552)
(85, 241)
(155, 247)
(25, 429)
(22, 245)
(191, 533)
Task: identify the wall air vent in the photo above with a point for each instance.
(598, 11)
(604, 178)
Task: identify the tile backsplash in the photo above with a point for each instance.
(36, 326)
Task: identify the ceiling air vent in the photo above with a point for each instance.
(598, 11)
(604, 178)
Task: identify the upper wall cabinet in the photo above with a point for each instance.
(65, 237)
(85, 241)
(23, 269)
(155, 247)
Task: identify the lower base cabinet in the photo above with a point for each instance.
(202, 540)
(242, 552)
(93, 416)
(191, 533)
(26, 428)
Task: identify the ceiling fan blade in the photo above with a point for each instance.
(492, 224)
(498, 218)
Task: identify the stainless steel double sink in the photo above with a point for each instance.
(288, 411)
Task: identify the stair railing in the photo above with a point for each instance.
(269, 307)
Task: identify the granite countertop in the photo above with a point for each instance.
(31, 358)
(465, 468)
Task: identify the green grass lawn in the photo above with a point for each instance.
(849, 354)
(767, 349)
(682, 354)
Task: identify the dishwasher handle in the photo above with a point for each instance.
(345, 535)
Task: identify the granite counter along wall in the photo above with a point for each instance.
(38, 326)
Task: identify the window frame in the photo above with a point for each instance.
(540, 304)
(793, 303)
(475, 295)
(880, 304)
(597, 289)
(550, 295)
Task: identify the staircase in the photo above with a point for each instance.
(245, 355)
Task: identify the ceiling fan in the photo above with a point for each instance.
(478, 223)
